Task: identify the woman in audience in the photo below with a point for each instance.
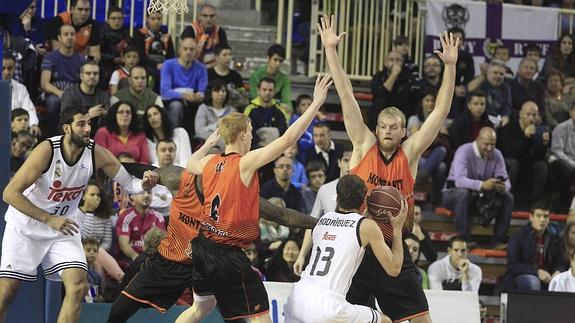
(280, 266)
(562, 58)
(425, 243)
(94, 212)
(122, 133)
(215, 107)
(568, 242)
(413, 245)
(557, 104)
(157, 127)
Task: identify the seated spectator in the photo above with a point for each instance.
(86, 94)
(122, 133)
(562, 58)
(524, 88)
(94, 212)
(166, 150)
(305, 142)
(432, 162)
(115, 39)
(157, 128)
(533, 52)
(524, 145)
(20, 96)
(432, 70)
(215, 107)
(455, 271)
(87, 30)
(564, 282)
(563, 167)
(498, 93)
(568, 242)
(268, 121)
(132, 226)
(424, 241)
(137, 93)
(315, 171)
(252, 254)
(298, 178)
(207, 34)
(392, 87)
(238, 96)
(502, 53)
(20, 120)
(325, 150)
(282, 84)
(280, 266)
(183, 81)
(120, 77)
(22, 142)
(60, 71)
(402, 46)
(280, 185)
(479, 167)
(151, 240)
(95, 282)
(31, 26)
(534, 252)
(557, 104)
(413, 245)
(271, 233)
(466, 126)
(155, 46)
(465, 67)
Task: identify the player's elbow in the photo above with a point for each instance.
(394, 272)
(8, 194)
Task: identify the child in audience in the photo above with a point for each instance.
(119, 78)
(20, 120)
(91, 247)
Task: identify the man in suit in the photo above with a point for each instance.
(325, 151)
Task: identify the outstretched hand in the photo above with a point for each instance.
(326, 29)
(450, 46)
(397, 221)
(213, 139)
(322, 84)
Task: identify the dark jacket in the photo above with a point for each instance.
(520, 94)
(513, 144)
(292, 197)
(460, 129)
(402, 94)
(332, 171)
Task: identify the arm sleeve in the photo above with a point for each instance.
(166, 87)
(558, 144)
(433, 275)
(107, 239)
(143, 147)
(202, 79)
(28, 106)
(460, 172)
(286, 92)
(514, 260)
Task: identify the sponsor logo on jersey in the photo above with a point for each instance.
(64, 194)
(330, 237)
(378, 181)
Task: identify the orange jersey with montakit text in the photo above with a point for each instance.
(231, 209)
(185, 221)
(375, 170)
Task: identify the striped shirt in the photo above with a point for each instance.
(95, 227)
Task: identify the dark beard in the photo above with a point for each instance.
(78, 140)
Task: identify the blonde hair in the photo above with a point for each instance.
(393, 112)
(152, 240)
(231, 125)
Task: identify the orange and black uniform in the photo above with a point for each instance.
(87, 34)
(164, 277)
(399, 297)
(231, 214)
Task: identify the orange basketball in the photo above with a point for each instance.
(384, 200)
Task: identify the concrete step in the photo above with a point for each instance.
(231, 4)
(250, 34)
(227, 17)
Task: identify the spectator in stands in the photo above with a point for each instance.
(298, 178)
(465, 67)
(534, 252)
(394, 86)
(280, 266)
(455, 271)
(432, 162)
(305, 142)
(166, 152)
(253, 255)
(134, 223)
(157, 128)
(137, 93)
(533, 52)
(424, 242)
(60, 71)
(95, 281)
(315, 171)
(115, 40)
(233, 80)
(431, 77)
(155, 46)
(413, 245)
(524, 145)
(22, 141)
(402, 46)
(565, 282)
(31, 26)
(466, 126)
(280, 185)
(325, 150)
(282, 89)
(215, 107)
(501, 53)
(568, 241)
(479, 167)
(20, 120)
(207, 34)
(94, 214)
(122, 133)
(557, 104)
(563, 167)
(150, 242)
(20, 96)
(498, 92)
(86, 94)
(120, 77)
(184, 81)
(524, 88)
(268, 120)
(562, 58)
(87, 30)
(271, 233)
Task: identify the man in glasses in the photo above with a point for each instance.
(281, 186)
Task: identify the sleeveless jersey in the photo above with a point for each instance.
(376, 171)
(337, 252)
(60, 187)
(207, 54)
(184, 224)
(82, 35)
(231, 209)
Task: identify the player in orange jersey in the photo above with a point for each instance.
(382, 159)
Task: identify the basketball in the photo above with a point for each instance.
(384, 199)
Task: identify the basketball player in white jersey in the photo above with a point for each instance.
(42, 197)
(339, 242)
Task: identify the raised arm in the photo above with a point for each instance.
(359, 133)
(421, 140)
(200, 158)
(284, 216)
(114, 170)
